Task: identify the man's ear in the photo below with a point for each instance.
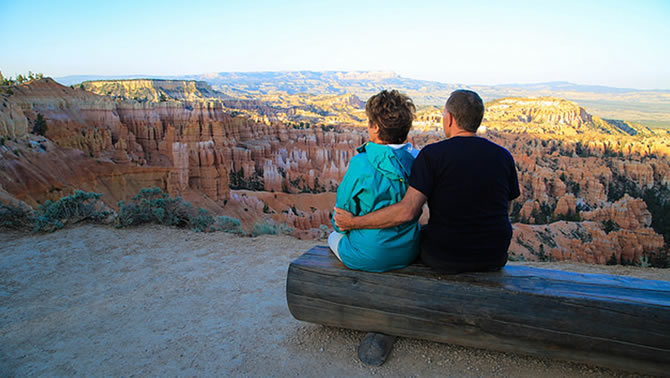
(446, 118)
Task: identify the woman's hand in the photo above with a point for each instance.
(344, 220)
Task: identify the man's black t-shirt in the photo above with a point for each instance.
(469, 182)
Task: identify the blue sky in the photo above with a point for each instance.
(614, 43)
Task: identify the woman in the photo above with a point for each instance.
(378, 177)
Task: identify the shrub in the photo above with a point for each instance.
(612, 260)
(644, 262)
(270, 227)
(78, 207)
(660, 259)
(264, 228)
(514, 257)
(514, 216)
(227, 224)
(202, 221)
(285, 229)
(152, 205)
(16, 217)
(323, 231)
(609, 225)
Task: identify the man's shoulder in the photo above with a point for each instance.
(434, 148)
(456, 143)
(446, 145)
(491, 145)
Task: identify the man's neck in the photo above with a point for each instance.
(462, 133)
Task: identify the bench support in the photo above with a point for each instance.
(375, 348)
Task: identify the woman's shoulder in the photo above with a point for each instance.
(359, 160)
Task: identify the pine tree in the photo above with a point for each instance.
(612, 260)
(40, 125)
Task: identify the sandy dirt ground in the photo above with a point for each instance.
(155, 301)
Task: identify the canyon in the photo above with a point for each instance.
(586, 182)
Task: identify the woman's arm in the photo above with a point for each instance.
(402, 212)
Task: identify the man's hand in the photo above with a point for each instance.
(344, 220)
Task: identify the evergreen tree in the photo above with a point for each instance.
(612, 260)
(40, 125)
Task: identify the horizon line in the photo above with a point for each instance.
(181, 77)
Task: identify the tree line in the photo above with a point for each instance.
(20, 78)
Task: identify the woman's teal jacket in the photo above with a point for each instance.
(377, 177)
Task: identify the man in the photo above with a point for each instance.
(468, 182)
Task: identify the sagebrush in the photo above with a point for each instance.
(152, 205)
(270, 227)
(78, 207)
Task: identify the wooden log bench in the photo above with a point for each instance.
(605, 320)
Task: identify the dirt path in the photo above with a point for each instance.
(94, 300)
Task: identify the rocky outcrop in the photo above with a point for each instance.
(582, 242)
(34, 169)
(565, 206)
(153, 90)
(627, 213)
(548, 115)
(542, 110)
(615, 233)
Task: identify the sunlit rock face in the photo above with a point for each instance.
(153, 90)
(618, 232)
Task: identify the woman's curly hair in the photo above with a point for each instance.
(393, 112)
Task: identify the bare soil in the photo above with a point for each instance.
(94, 300)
